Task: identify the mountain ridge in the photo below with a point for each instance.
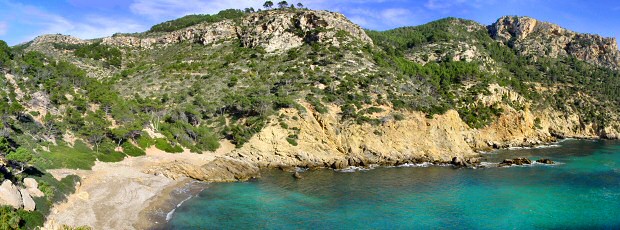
(510, 30)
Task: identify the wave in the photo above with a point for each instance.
(536, 147)
(169, 215)
(533, 164)
(356, 169)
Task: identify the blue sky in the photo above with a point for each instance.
(23, 20)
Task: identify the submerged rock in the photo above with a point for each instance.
(545, 161)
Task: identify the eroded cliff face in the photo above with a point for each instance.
(272, 31)
(535, 38)
(326, 140)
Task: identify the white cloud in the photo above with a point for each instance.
(90, 26)
(442, 4)
(4, 27)
(380, 19)
(159, 9)
(450, 4)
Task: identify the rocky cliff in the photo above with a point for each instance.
(325, 140)
(272, 31)
(536, 38)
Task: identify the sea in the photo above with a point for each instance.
(580, 191)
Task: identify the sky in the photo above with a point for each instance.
(23, 20)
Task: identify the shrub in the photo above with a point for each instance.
(145, 141)
(164, 145)
(132, 150)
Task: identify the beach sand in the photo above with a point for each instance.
(121, 196)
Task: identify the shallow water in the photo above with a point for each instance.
(583, 191)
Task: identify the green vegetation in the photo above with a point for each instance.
(97, 51)
(191, 20)
(195, 95)
(5, 53)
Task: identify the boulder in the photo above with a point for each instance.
(296, 175)
(27, 200)
(340, 164)
(545, 161)
(9, 195)
(515, 161)
(459, 162)
(31, 183)
(35, 192)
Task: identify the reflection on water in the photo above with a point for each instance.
(582, 192)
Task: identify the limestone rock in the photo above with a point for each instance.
(224, 169)
(535, 38)
(277, 30)
(33, 187)
(179, 169)
(10, 195)
(56, 38)
(545, 161)
(205, 33)
(272, 30)
(31, 183)
(515, 161)
(297, 176)
(27, 200)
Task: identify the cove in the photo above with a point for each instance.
(581, 191)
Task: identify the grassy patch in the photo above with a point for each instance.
(63, 156)
(132, 150)
(164, 145)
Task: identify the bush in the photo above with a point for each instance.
(9, 219)
(191, 20)
(399, 116)
(145, 141)
(164, 145)
(21, 155)
(132, 150)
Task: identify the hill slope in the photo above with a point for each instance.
(304, 88)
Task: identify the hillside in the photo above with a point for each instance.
(301, 88)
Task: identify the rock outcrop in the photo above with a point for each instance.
(325, 140)
(545, 161)
(16, 197)
(270, 30)
(27, 200)
(205, 34)
(535, 38)
(222, 169)
(516, 161)
(10, 195)
(33, 187)
(56, 38)
(225, 169)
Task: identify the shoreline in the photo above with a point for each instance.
(115, 195)
(156, 215)
(150, 211)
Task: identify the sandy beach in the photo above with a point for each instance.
(121, 195)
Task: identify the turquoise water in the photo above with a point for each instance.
(583, 191)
